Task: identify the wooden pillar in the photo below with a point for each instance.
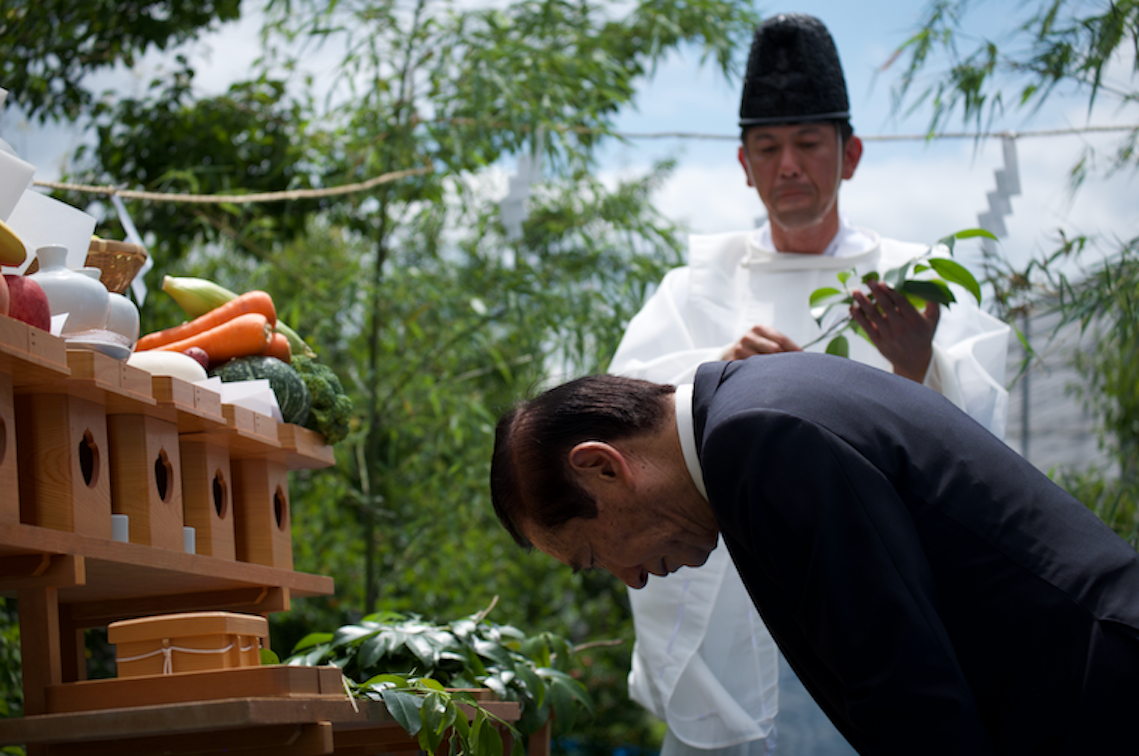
(39, 645)
(146, 478)
(9, 480)
(72, 647)
(208, 494)
(262, 523)
(63, 455)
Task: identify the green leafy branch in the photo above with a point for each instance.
(430, 713)
(919, 291)
(410, 663)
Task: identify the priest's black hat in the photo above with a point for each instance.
(793, 74)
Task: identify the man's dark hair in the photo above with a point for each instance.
(530, 475)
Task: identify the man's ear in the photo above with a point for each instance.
(596, 461)
(742, 157)
(851, 154)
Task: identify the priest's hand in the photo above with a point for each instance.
(760, 339)
(901, 333)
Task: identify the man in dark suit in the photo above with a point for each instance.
(935, 592)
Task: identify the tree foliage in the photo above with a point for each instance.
(1052, 44)
(50, 47)
(433, 317)
(1086, 49)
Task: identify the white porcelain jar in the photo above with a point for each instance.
(82, 296)
(124, 318)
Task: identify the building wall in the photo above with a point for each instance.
(1046, 421)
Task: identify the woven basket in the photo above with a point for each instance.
(119, 261)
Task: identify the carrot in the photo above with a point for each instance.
(244, 335)
(250, 301)
(279, 348)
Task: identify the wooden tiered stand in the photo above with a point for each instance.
(83, 436)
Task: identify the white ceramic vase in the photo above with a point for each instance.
(81, 295)
(124, 318)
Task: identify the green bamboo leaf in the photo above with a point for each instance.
(871, 276)
(404, 708)
(971, 233)
(839, 346)
(949, 242)
(931, 291)
(820, 295)
(844, 276)
(954, 272)
(268, 657)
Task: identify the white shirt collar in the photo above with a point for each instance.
(686, 427)
(850, 242)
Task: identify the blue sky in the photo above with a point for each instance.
(911, 190)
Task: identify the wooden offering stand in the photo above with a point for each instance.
(84, 436)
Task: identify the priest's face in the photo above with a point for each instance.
(797, 169)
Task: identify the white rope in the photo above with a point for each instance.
(295, 194)
(168, 650)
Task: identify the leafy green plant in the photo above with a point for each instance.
(903, 278)
(429, 712)
(419, 668)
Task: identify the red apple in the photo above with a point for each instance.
(28, 302)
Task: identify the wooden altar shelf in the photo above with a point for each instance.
(81, 432)
(30, 355)
(275, 681)
(124, 580)
(274, 726)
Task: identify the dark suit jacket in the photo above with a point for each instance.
(934, 591)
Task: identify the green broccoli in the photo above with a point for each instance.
(331, 407)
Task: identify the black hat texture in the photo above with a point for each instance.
(793, 74)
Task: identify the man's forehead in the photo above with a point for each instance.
(780, 130)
